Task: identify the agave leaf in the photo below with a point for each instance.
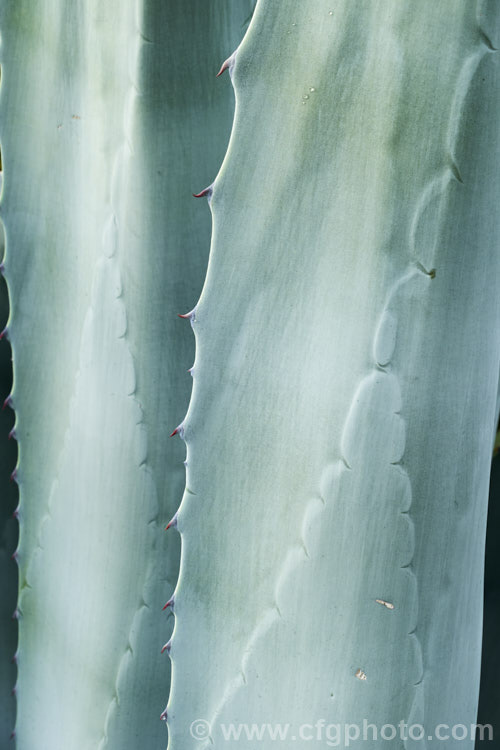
(107, 113)
(339, 433)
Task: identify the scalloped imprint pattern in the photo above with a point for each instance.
(376, 404)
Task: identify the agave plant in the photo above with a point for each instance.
(338, 437)
(107, 113)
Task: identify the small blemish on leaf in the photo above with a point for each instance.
(389, 605)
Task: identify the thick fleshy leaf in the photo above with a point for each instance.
(348, 346)
(111, 118)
